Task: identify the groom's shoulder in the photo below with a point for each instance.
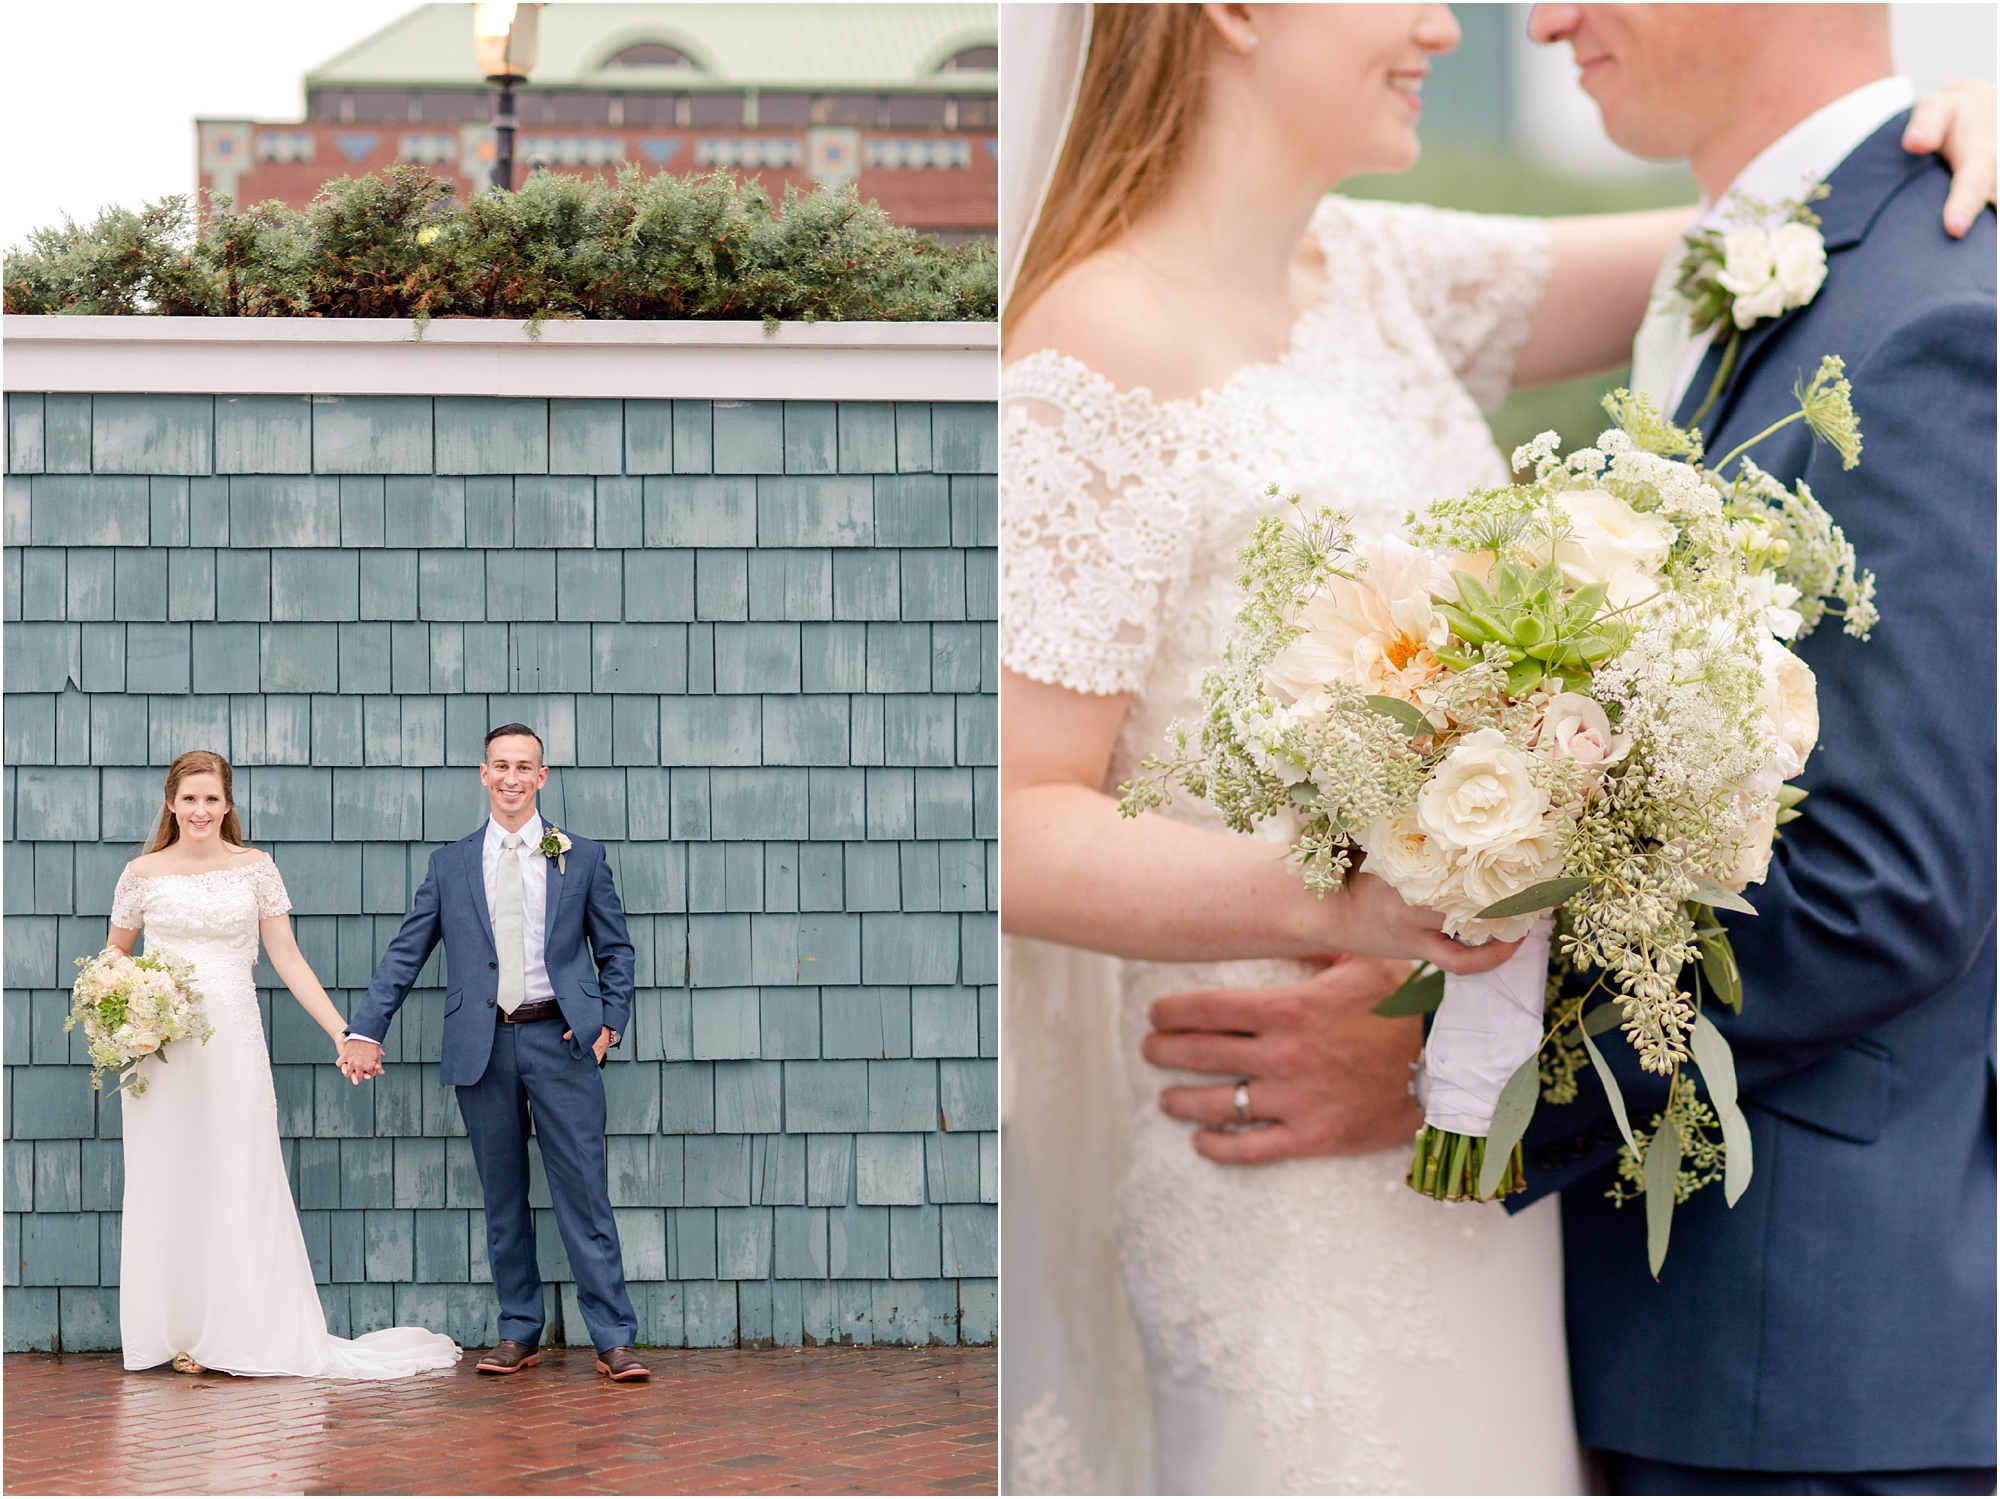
(1905, 264)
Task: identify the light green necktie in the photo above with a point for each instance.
(507, 935)
(1663, 341)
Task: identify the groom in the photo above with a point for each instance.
(1834, 1332)
(515, 903)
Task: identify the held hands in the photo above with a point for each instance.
(1958, 123)
(360, 1060)
(1333, 1077)
(601, 1045)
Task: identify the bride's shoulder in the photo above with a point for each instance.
(1117, 325)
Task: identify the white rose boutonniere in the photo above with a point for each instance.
(1738, 278)
(554, 844)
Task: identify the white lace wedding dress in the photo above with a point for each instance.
(213, 1263)
(1312, 1326)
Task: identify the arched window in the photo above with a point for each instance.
(653, 55)
(972, 60)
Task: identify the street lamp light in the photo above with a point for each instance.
(503, 41)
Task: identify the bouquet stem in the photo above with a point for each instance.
(1446, 1166)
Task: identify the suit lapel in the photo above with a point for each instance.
(475, 879)
(1857, 191)
(552, 894)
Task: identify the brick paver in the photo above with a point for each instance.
(712, 1421)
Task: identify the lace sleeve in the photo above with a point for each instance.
(1095, 546)
(1474, 279)
(270, 886)
(128, 902)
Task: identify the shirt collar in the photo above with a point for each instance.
(1810, 150)
(531, 831)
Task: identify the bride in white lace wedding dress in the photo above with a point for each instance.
(1305, 1322)
(214, 1272)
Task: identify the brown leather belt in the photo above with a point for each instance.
(541, 1009)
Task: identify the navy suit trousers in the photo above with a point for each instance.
(1642, 1475)
(533, 1067)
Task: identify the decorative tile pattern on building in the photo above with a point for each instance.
(758, 638)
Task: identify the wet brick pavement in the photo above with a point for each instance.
(711, 1421)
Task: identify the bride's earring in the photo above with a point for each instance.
(1248, 44)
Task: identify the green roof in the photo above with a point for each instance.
(825, 48)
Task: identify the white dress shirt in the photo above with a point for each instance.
(1785, 170)
(534, 900)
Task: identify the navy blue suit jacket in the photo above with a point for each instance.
(1841, 1317)
(584, 945)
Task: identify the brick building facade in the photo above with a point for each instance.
(898, 99)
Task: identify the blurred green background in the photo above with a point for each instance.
(1475, 158)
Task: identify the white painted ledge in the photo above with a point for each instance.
(480, 357)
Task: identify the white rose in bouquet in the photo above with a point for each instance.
(1613, 544)
(1753, 854)
(1399, 852)
(1790, 700)
(1481, 796)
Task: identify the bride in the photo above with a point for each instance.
(1191, 320)
(214, 1273)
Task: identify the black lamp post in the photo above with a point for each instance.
(504, 42)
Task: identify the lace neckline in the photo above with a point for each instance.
(1285, 360)
(202, 874)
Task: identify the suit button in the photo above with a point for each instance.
(492, 965)
(489, 1004)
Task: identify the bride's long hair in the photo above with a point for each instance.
(1135, 111)
(196, 763)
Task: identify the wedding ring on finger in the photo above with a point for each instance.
(1242, 1101)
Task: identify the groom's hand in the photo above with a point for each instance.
(360, 1060)
(1331, 1075)
(601, 1045)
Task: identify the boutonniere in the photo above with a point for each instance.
(554, 844)
(1740, 277)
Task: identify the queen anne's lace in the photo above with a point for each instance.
(1304, 1299)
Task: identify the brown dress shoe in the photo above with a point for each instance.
(622, 1364)
(509, 1357)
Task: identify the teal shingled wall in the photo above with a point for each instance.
(758, 638)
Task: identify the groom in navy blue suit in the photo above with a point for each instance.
(537, 958)
(1834, 1332)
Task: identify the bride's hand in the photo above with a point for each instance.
(1331, 1076)
(1958, 124)
(1383, 925)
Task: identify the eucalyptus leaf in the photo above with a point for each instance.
(1412, 720)
(1718, 965)
(1419, 994)
(1712, 894)
(1603, 1018)
(1718, 1069)
(1611, 1090)
(1535, 898)
(1510, 1121)
(1663, 1174)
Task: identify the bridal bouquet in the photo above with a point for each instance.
(131, 1008)
(1569, 696)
